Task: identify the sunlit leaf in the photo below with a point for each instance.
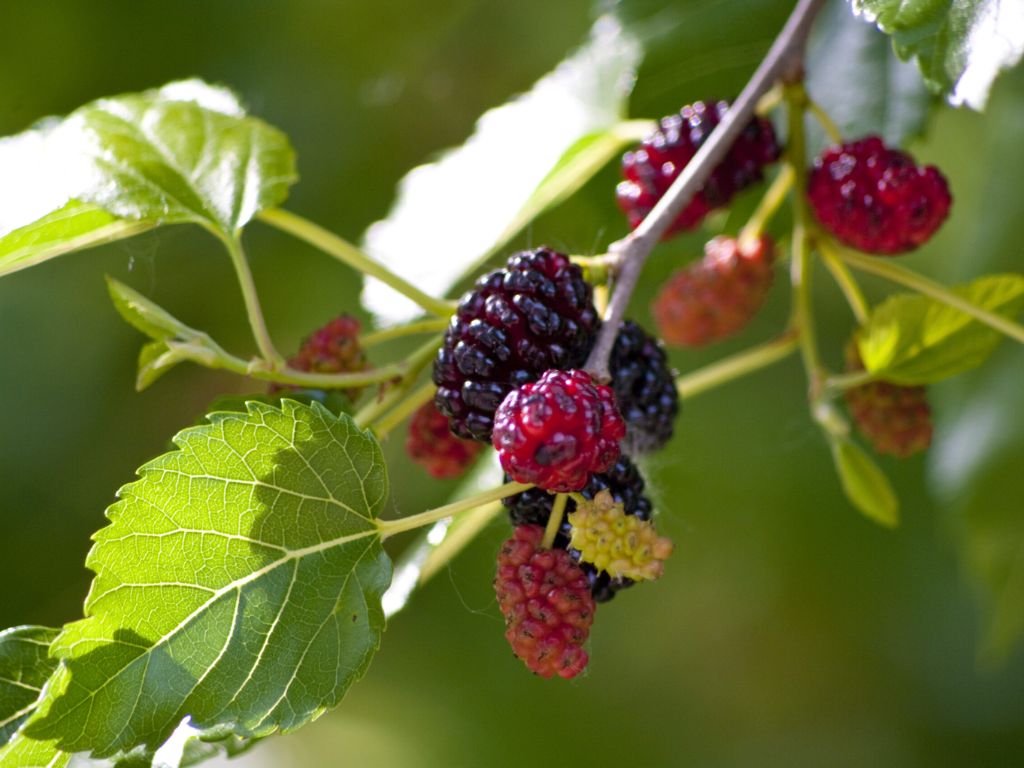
(239, 584)
(960, 45)
(25, 665)
(864, 484)
(912, 339)
(451, 213)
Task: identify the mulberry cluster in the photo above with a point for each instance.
(626, 485)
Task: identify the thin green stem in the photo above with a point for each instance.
(769, 205)
(457, 537)
(373, 338)
(416, 362)
(389, 528)
(404, 409)
(252, 302)
(845, 280)
(555, 520)
(256, 369)
(841, 382)
(802, 317)
(909, 279)
(345, 252)
(825, 121)
(737, 366)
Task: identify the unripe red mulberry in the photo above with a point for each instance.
(650, 169)
(715, 297)
(875, 198)
(895, 419)
(432, 445)
(546, 601)
(556, 432)
(334, 348)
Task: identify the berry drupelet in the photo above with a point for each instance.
(650, 169)
(875, 198)
(534, 315)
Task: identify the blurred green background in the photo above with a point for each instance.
(788, 630)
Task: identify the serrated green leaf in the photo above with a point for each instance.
(854, 74)
(512, 152)
(25, 665)
(960, 45)
(186, 152)
(864, 484)
(911, 339)
(74, 227)
(239, 583)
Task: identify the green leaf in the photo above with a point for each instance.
(25, 665)
(24, 752)
(854, 74)
(960, 45)
(911, 339)
(239, 583)
(186, 152)
(74, 227)
(864, 484)
(145, 315)
(165, 156)
(502, 176)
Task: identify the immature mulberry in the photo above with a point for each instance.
(433, 446)
(717, 296)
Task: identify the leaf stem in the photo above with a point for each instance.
(845, 280)
(737, 366)
(457, 537)
(389, 528)
(252, 302)
(769, 205)
(345, 252)
(784, 61)
(555, 520)
(404, 409)
(825, 121)
(256, 369)
(910, 279)
(416, 362)
(841, 382)
(802, 317)
(430, 325)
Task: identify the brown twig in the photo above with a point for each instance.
(784, 61)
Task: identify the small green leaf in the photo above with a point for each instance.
(74, 227)
(144, 315)
(25, 665)
(960, 45)
(239, 583)
(864, 484)
(508, 158)
(911, 339)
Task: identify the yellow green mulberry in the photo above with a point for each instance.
(620, 544)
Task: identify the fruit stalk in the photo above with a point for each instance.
(784, 61)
